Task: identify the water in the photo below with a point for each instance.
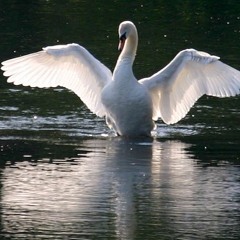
(111, 188)
(64, 175)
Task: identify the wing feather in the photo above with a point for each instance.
(70, 66)
(183, 81)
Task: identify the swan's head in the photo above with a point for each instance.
(126, 30)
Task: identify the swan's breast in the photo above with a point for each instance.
(129, 107)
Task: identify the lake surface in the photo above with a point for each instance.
(64, 175)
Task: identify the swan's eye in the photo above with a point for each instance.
(123, 37)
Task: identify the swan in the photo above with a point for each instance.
(130, 107)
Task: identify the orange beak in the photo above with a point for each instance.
(121, 44)
(122, 40)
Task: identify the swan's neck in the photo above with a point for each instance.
(130, 47)
(123, 69)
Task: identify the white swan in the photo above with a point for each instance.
(130, 106)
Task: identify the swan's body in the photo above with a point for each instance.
(130, 106)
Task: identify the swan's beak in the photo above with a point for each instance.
(121, 45)
(122, 40)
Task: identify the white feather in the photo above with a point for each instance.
(70, 66)
(183, 81)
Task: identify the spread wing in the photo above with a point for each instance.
(70, 66)
(191, 74)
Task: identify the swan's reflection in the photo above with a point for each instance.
(114, 187)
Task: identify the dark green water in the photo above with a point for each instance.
(62, 173)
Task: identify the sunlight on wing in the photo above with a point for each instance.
(70, 66)
(190, 75)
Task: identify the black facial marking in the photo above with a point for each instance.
(123, 37)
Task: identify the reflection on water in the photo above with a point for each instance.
(120, 189)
